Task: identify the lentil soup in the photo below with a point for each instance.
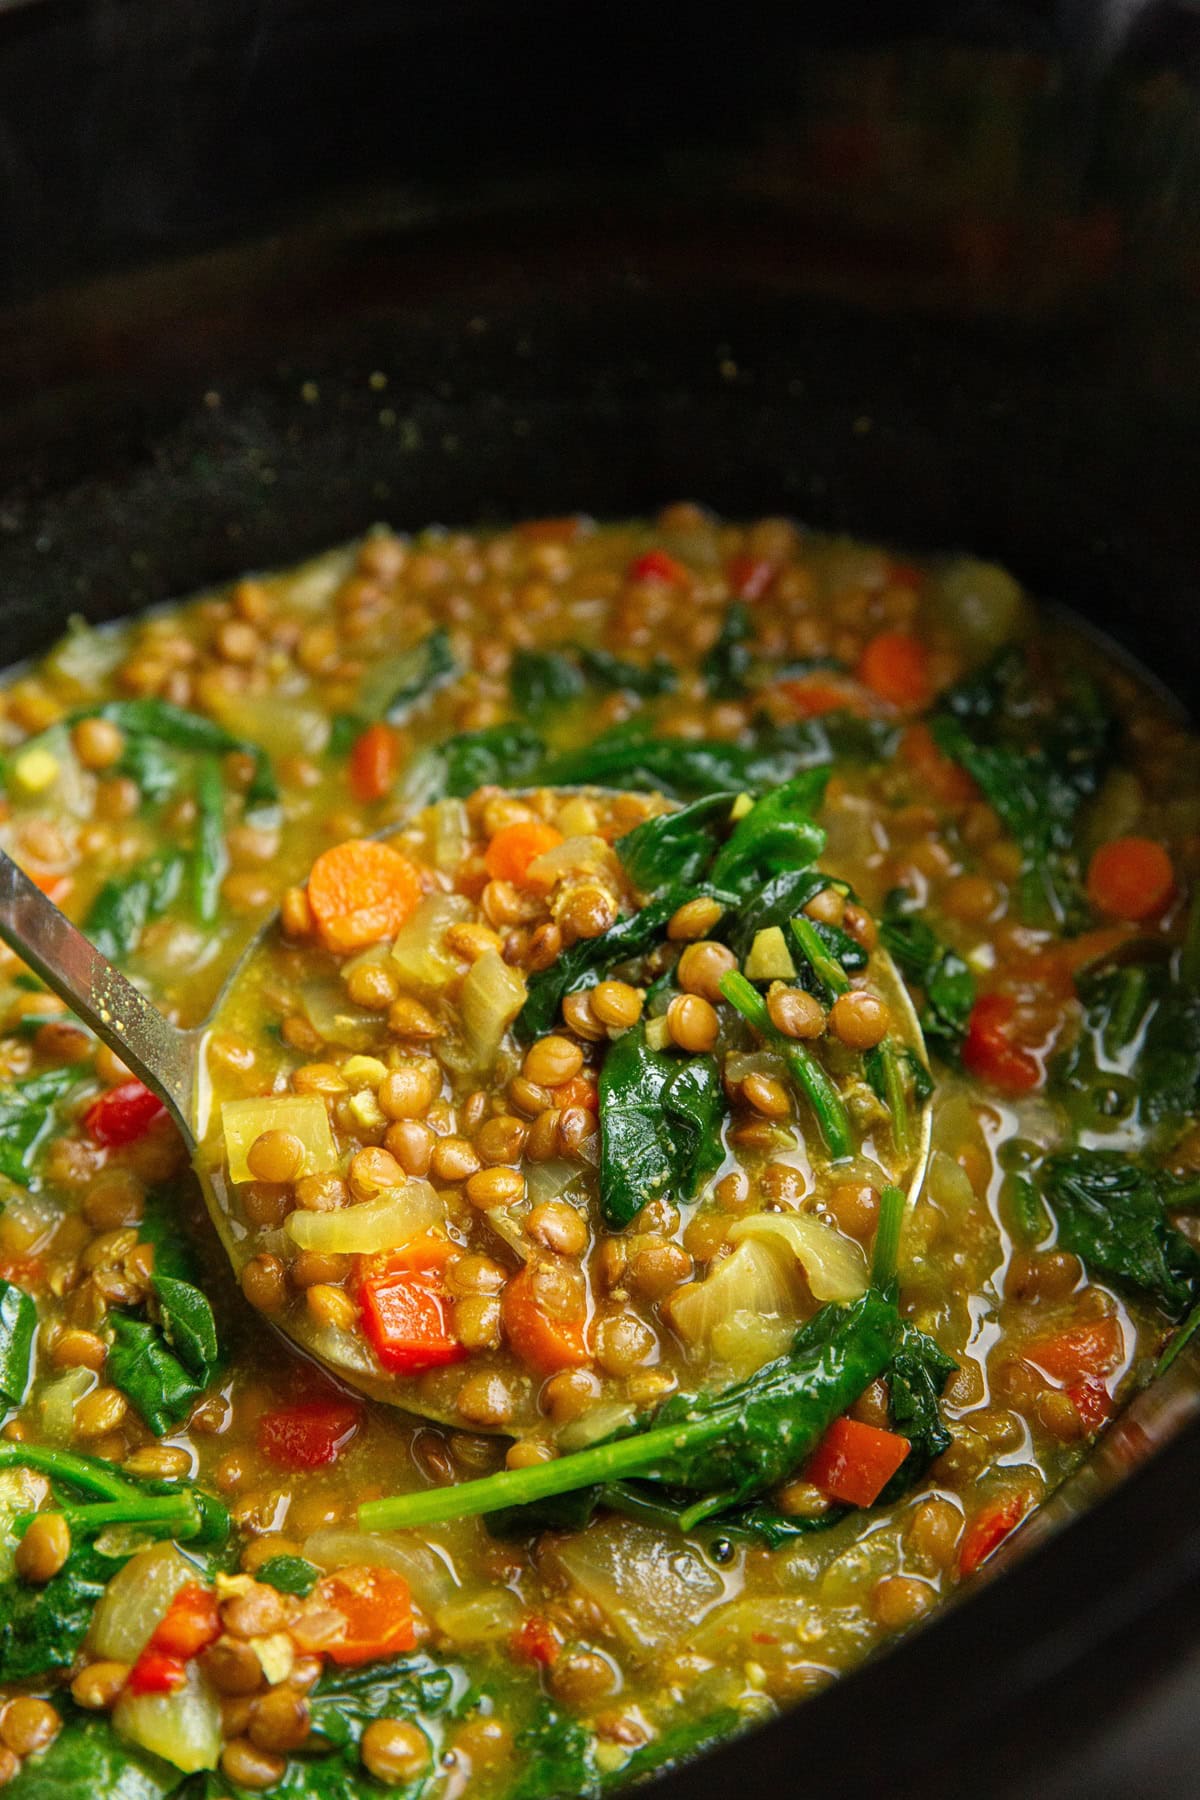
(574, 1107)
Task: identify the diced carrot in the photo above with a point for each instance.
(581, 1090)
(535, 1641)
(814, 695)
(550, 531)
(514, 847)
(1130, 878)
(656, 565)
(28, 1272)
(989, 1052)
(376, 1604)
(905, 575)
(1094, 946)
(853, 1462)
(750, 577)
(406, 1309)
(989, 1528)
(1092, 1401)
(1093, 1348)
(190, 1623)
(360, 892)
(374, 763)
(895, 665)
(544, 1343)
(945, 778)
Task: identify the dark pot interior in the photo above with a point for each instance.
(272, 272)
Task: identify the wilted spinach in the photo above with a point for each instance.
(943, 976)
(1112, 1211)
(660, 1125)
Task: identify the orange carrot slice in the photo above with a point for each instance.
(360, 892)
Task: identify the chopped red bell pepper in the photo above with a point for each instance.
(989, 1052)
(406, 1308)
(750, 577)
(988, 1530)
(190, 1623)
(310, 1434)
(656, 565)
(1092, 1401)
(123, 1114)
(854, 1462)
(535, 1641)
(156, 1672)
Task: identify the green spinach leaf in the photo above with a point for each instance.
(681, 1744)
(41, 1628)
(947, 982)
(540, 681)
(660, 1125)
(124, 906)
(150, 1375)
(26, 1116)
(649, 681)
(289, 1574)
(779, 832)
(560, 1756)
(917, 1378)
(505, 755)
(88, 1761)
(726, 667)
(1111, 1211)
(210, 858)
(188, 1326)
(18, 1328)
(675, 847)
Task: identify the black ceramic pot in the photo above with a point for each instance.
(274, 269)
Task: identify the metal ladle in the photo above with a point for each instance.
(170, 1061)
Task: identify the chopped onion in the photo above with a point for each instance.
(740, 1063)
(331, 1014)
(429, 1575)
(282, 725)
(948, 1185)
(746, 1340)
(757, 1278)
(574, 856)
(303, 1115)
(651, 1586)
(769, 958)
(56, 1404)
(600, 1422)
(449, 834)
(835, 1266)
(487, 1618)
(419, 954)
(136, 1599)
(981, 603)
(20, 1491)
(84, 658)
(554, 1180)
(184, 1728)
(391, 1219)
(491, 996)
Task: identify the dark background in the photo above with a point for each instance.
(271, 270)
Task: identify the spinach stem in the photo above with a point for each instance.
(209, 857)
(175, 1512)
(887, 1238)
(89, 1476)
(825, 965)
(635, 1455)
(809, 1074)
(897, 1099)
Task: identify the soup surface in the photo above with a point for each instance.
(725, 1063)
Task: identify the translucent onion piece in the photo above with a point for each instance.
(981, 603)
(20, 1491)
(391, 1219)
(449, 833)
(431, 1578)
(769, 958)
(835, 1266)
(282, 724)
(574, 856)
(334, 1018)
(184, 1728)
(419, 954)
(56, 1404)
(757, 1278)
(303, 1115)
(136, 1599)
(491, 996)
(487, 1618)
(650, 1586)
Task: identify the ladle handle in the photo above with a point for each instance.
(158, 1052)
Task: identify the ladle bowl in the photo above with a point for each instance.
(170, 1060)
